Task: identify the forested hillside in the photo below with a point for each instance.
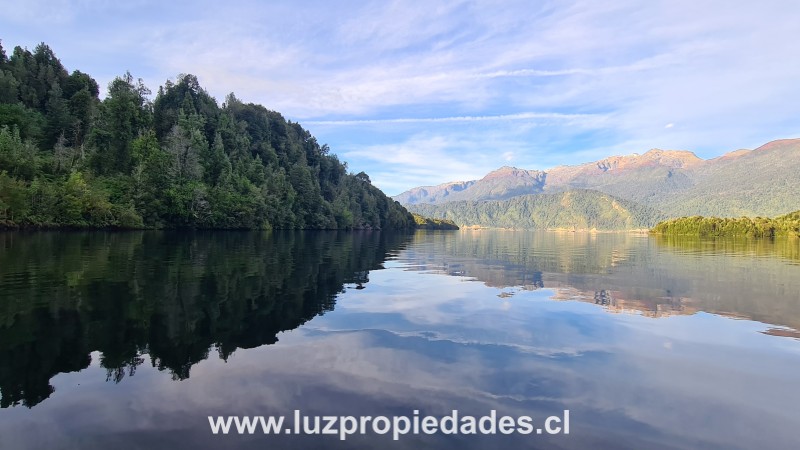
(761, 182)
(178, 160)
(423, 223)
(572, 210)
(786, 225)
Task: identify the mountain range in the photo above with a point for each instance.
(622, 192)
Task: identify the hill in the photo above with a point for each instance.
(786, 225)
(571, 210)
(424, 223)
(500, 184)
(672, 183)
(68, 159)
(762, 182)
(506, 182)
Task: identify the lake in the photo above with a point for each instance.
(133, 339)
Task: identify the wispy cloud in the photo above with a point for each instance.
(420, 158)
(500, 117)
(552, 82)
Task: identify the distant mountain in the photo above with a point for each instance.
(615, 167)
(570, 210)
(763, 182)
(503, 183)
(432, 194)
(508, 182)
(671, 183)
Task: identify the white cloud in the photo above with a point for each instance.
(419, 159)
(61, 12)
(622, 68)
(525, 116)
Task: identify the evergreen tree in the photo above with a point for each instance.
(181, 161)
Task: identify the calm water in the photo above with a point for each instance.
(131, 340)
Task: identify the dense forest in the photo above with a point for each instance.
(423, 223)
(571, 210)
(786, 225)
(69, 159)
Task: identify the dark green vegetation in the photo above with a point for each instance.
(434, 224)
(175, 295)
(69, 159)
(786, 225)
(762, 182)
(571, 210)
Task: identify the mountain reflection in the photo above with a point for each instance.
(169, 297)
(757, 279)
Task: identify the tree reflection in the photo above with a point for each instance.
(172, 296)
(656, 276)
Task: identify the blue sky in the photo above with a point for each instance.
(421, 92)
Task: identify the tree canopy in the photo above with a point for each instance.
(786, 225)
(69, 159)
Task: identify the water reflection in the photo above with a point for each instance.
(757, 279)
(786, 248)
(170, 298)
(457, 320)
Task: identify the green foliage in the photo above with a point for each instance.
(425, 223)
(20, 158)
(124, 114)
(13, 199)
(179, 161)
(786, 225)
(572, 210)
(28, 122)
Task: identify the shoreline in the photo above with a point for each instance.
(557, 230)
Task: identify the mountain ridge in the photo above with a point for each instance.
(575, 210)
(675, 183)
